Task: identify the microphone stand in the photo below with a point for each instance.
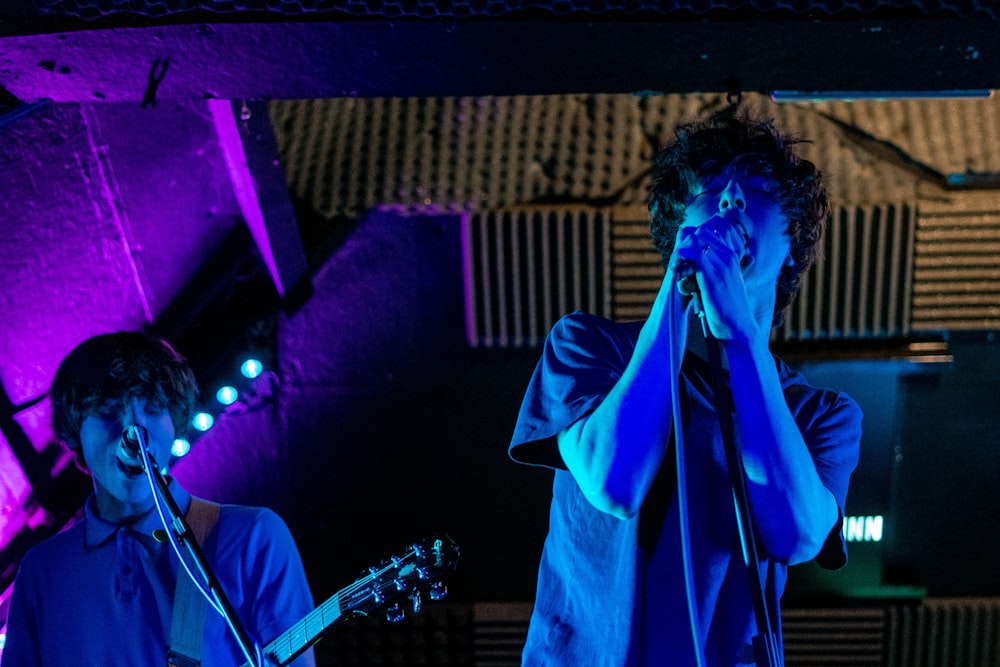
(766, 647)
(182, 531)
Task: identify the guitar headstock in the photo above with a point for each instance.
(385, 587)
(419, 571)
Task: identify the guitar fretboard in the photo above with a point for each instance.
(305, 632)
(363, 596)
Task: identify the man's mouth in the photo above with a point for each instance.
(129, 470)
(741, 230)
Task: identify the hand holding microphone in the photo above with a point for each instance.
(687, 282)
(716, 235)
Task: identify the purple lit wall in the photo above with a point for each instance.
(107, 211)
(377, 424)
(383, 426)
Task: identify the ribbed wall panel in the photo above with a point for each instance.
(860, 287)
(933, 632)
(636, 268)
(946, 632)
(500, 630)
(833, 637)
(957, 265)
(524, 269)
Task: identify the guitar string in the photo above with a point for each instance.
(334, 600)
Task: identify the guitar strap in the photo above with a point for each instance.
(188, 623)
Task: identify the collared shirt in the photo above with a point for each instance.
(611, 592)
(102, 594)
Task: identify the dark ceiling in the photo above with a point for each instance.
(156, 50)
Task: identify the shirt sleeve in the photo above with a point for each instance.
(582, 359)
(830, 423)
(281, 591)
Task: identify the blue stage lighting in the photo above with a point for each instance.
(227, 395)
(180, 447)
(203, 421)
(251, 368)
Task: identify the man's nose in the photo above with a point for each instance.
(134, 413)
(732, 197)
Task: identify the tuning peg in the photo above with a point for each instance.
(438, 590)
(417, 601)
(395, 614)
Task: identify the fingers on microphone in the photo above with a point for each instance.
(713, 241)
(721, 240)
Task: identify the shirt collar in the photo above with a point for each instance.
(99, 531)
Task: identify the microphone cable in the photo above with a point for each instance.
(682, 503)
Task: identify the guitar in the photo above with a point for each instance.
(397, 579)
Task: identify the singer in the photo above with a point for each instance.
(736, 216)
(102, 592)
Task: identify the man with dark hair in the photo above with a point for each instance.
(103, 591)
(643, 563)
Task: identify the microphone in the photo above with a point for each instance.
(687, 282)
(133, 438)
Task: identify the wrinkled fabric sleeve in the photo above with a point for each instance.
(830, 423)
(284, 597)
(582, 359)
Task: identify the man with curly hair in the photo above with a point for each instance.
(103, 591)
(632, 571)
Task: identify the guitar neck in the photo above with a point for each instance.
(306, 632)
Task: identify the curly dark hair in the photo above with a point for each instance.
(113, 369)
(703, 149)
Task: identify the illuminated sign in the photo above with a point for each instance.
(863, 528)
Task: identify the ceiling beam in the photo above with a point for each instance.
(251, 154)
(410, 58)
